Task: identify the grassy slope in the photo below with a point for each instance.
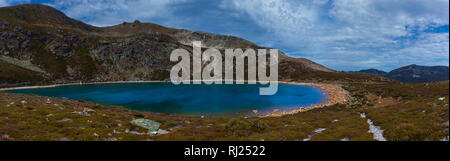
(402, 119)
(12, 74)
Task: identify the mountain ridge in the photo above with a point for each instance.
(414, 73)
(69, 50)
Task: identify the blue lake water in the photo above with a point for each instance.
(187, 99)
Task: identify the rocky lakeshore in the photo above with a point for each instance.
(336, 95)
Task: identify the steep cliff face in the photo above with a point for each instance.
(54, 48)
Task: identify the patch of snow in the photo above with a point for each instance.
(375, 130)
(316, 131)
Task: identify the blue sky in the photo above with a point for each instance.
(340, 34)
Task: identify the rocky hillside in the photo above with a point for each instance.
(414, 73)
(420, 74)
(41, 45)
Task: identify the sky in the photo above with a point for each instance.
(345, 35)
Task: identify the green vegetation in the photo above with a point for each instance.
(419, 115)
(14, 74)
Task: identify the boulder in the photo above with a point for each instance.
(162, 132)
(151, 125)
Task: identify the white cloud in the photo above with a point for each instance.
(359, 33)
(3, 3)
(107, 12)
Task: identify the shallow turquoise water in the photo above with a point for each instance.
(187, 99)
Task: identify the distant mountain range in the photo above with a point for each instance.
(414, 73)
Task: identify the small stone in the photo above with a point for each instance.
(441, 99)
(88, 110)
(345, 139)
(445, 123)
(65, 120)
(153, 132)
(110, 139)
(136, 133)
(147, 140)
(96, 135)
(162, 132)
(319, 130)
(64, 139)
(5, 136)
(175, 127)
(24, 102)
(363, 115)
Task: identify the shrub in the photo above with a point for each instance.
(259, 125)
(97, 106)
(238, 127)
(139, 115)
